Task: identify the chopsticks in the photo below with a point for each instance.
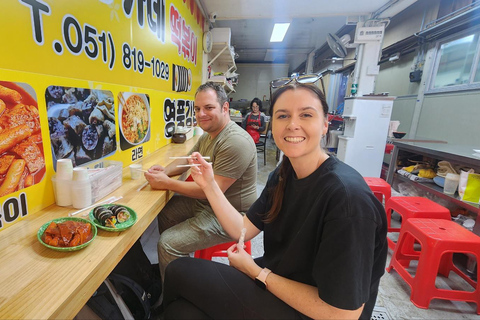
(109, 200)
(186, 157)
(142, 186)
(189, 165)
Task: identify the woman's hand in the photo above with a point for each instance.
(202, 174)
(242, 261)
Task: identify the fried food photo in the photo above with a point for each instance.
(22, 161)
(81, 123)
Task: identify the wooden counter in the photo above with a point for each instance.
(39, 283)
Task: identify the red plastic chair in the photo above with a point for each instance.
(220, 250)
(439, 239)
(413, 207)
(380, 188)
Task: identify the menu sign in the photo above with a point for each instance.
(89, 80)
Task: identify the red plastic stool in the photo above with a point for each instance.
(439, 239)
(388, 148)
(413, 207)
(220, 250)
(380, 188)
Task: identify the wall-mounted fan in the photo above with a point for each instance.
(339, 45)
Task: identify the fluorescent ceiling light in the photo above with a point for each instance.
(279, 31)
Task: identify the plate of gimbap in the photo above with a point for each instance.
(113, 217)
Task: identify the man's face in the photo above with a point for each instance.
(211, 117)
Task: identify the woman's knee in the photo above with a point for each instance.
(178, 268)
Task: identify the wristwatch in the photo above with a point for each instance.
(261, 279)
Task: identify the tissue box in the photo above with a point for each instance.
(105, 177)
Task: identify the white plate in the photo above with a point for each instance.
(476, 150)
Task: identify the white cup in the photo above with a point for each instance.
(135, 171)
(64, 169)
(81, 194)
(80, 174)
(451, 183)
(62, 191)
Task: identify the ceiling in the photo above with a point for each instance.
(251, 23)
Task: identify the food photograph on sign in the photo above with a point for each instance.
(134, 119)
(22, 161)
(182, 79)
(81, 123)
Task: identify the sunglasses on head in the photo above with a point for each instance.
(304, 78)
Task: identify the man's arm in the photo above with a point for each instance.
(192, 190)
(160, 178)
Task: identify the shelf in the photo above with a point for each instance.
(222, 54)
(438, 191)
(222, 80)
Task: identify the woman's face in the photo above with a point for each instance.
(298, 124)
(255, 107)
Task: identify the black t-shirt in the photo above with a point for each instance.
(330, 233)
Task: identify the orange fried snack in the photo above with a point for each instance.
(5, 162)
(31, 153)
(67, 234)
(21, 114)
(14, 174)
(11, 136)
(9, 95)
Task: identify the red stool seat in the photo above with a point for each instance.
(220, 250)
(380, 188)
(413, 207)
(388, 148)
(439, 239)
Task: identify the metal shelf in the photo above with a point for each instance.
(438, 191)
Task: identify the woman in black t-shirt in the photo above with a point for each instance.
(324, 233)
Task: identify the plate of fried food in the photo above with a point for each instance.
(113, 217)
(67, 234)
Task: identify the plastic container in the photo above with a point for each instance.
(64, 169)
(135, 171)
(62, 192)
(104, 177)
(81, 194)
(451, 183)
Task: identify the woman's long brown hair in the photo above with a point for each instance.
(286, 167)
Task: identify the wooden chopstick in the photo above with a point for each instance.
(189, 165)
(186, 157)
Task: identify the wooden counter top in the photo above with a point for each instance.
(39, 283)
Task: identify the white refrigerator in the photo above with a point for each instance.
(366, 122)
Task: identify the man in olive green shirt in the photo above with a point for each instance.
(187, 223)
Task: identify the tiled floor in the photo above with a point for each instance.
(394, 294)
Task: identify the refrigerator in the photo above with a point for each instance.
(366, 122)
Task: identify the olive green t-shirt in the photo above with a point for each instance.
(233, 155)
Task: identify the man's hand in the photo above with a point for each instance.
(157, 178)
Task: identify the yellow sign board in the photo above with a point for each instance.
(94, 79)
